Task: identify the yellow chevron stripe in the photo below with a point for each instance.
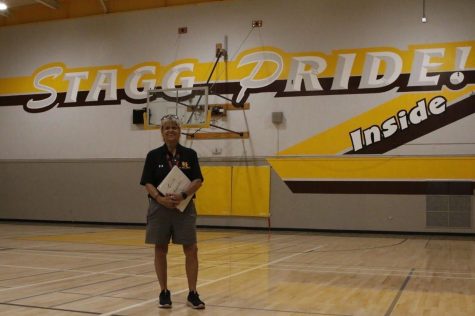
(376, 168)
(336, 139)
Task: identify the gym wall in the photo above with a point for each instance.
(352, 79)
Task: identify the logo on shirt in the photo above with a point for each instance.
(185, 165)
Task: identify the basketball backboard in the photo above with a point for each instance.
(190, 105)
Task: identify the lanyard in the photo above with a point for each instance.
(173, 160)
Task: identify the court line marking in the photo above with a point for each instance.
(278, 311)
(86, 274)
(44, 253)
(39, 274)
(307, 267)
(178, 258)
(22, 236)
(399, 293)
(382, 273)
(51, 309)
(52, 270)
(216, 280)
(341, 268)
(334, 269)
(71, 278)
(414, 275)
(64, 291)
(316, 269)
(40, 252)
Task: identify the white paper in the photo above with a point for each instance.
(176, 182)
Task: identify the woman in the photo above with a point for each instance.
(164, 220)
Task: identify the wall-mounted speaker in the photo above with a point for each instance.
(137, 116)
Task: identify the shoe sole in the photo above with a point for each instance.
(165, 306)
(201, 306)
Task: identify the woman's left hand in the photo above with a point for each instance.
(175, 197)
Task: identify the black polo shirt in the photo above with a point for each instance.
(159, 162)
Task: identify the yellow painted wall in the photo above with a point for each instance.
(214, 197)
(234, 191)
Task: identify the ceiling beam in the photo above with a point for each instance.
(104, 6)
(52, 4)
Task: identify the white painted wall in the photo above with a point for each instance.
(135, 37)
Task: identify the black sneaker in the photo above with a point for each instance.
(165, 299)
(194, 301)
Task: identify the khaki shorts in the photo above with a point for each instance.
(164, 224)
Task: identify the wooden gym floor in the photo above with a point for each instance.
(49, 269)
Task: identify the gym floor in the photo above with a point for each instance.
(53, 269)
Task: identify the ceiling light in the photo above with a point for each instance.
(3, 6)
